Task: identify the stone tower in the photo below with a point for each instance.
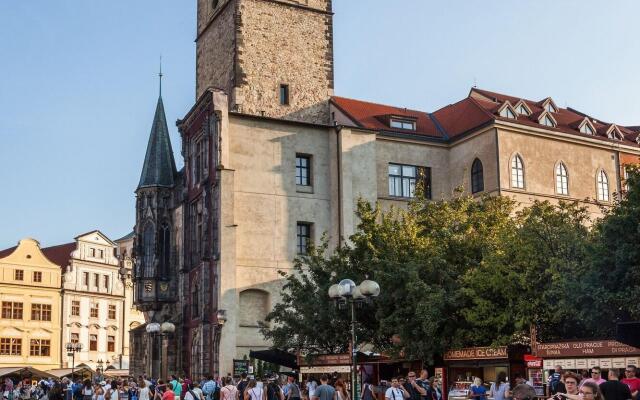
(272, 57)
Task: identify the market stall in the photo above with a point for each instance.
(581, 355)
(84, 372)
(462, 365)
(20, 373)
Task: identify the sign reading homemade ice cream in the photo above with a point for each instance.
(584, 349)
(477, 353)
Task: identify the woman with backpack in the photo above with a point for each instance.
(87, 390)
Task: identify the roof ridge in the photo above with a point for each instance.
(475, 103)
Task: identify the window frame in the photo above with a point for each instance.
(10, 346)
(12, 310)
(284, 94)
(475, 181)
(18, 275)
(303, 239)
(402, 123)
(422, 175)
(94, 310)
(40, 312)
(111, 344)
(520, 184)
(40, 348)
(93, 344)
(300, 168)
(602, 184)
(75, 308)
(37, 276)
(561, 180)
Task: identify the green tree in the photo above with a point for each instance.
(612, 283)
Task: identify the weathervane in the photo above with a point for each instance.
(160, 75)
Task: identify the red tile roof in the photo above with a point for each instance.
(479, 108)
(6, 252)
(60, 254)
(371, 116)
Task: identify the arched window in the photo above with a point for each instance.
(517, 172)
(254, 306)
(148, 243)
(562, 179)
(603, 186)
(165, 249)
(477, 177)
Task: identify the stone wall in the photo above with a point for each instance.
(249, 48)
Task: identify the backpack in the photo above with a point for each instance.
(272, 394)
(216, 393)
(368, 393)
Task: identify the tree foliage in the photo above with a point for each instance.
(467, 272)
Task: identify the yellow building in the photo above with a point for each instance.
(30, 300)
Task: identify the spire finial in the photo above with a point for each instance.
(160, 75)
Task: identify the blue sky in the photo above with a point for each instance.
(78, 84)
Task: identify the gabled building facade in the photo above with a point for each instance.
(272, 161)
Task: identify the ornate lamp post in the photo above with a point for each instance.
(99, 370)
(157, 330)
(72, 349)
(347, 293)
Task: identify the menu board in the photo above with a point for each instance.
(633, 361)
(605, 363)
(619, 362)
(581, 363)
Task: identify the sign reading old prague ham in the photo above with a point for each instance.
(477, 353)
(585, 348)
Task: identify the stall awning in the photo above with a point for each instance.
(62, 372)
(25, 371)
(276, 356)
(118, 373)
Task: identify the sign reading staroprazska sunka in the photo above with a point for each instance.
(477, 353)
(585, 349)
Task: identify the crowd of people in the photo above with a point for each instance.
(588, 385)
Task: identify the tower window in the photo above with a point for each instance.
(303, 237)
(284, 94)
(303, 170)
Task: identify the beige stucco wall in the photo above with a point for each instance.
(267, 204)
(29, 258)
(540, 155)
(462, 153)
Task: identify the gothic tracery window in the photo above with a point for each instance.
(148, 243)
(165, 249)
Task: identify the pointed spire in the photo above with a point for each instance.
(159, 167)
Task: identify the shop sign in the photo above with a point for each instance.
(593, 362)
(618, 363)
(605, 363)
(632, 361)
(586, 348)
(477, 353)
(328, 359)
(240, 366)
(533, 361)
(570, 364)
(325, 370)
(581, 363)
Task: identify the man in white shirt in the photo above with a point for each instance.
(396, 391)
(311, 387)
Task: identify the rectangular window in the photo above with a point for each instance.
(75, 307)
(37, 276)
(106, 282)
(85, 278)
(403, 124)
(11, 310)
(94, 310)
(284, 94)
(403, 179)
(10, 346)
(303, 170)
(112, 311)
(18, 275)
(100, 253)
(41, 312)
(75, 338)
(40, 347)
(92, 252)
(96, 280)
(303, 234)
(93, 342)
(111, 344)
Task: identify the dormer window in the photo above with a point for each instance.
(507, 112)
(549, 105)
(547, 120)
(587, 128)
(614, 133)
(522, 108)
(402, 124)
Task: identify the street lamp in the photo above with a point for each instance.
(347, 292)
(99, 370)
(72, 349)
(162, 331)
